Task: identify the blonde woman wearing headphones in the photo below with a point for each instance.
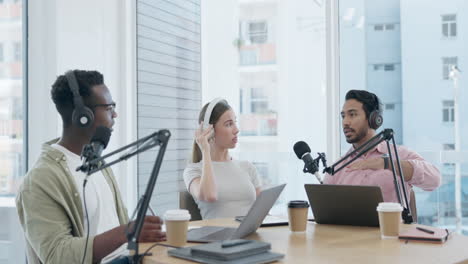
(222, 187)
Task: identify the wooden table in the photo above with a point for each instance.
(338, 244)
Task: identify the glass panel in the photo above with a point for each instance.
(12, 155)
(11, 103)
(417, 87)
(277, 73)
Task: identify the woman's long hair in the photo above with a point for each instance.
(220, 108)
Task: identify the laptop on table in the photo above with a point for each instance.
(344, 204)
(250, 223)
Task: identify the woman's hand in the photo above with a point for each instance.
(203, 137)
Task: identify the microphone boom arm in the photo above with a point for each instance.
(159, 138)
(384, 135)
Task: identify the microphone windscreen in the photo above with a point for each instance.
(102, 135)
(301, 148)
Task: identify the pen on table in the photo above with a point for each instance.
(425, 230)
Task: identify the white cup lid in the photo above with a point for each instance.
(389, 207)
(177, 215)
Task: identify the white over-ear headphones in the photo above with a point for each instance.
(209, 110)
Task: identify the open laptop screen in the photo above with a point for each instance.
(344, 204)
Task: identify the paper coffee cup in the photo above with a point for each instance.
(297, 214)
(389, 219)
(176, 226)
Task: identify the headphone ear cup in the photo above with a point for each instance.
(83, 117)
(375, 120)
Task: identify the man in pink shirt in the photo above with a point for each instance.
(373, 168)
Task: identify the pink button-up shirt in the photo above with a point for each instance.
(425, 175)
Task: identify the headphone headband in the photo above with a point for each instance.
(74, 88)
(209, 110)
(82, 115)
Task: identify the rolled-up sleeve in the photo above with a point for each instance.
(425, 175)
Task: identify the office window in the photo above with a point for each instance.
(447, 63)
(11, 107)
(268, 94)
(389, 106)
(12, 130)
(417, 121)
(448, 111)
(449, 26)
(258, 32)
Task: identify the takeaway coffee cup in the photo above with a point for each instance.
(389, 219)
(176, 226)
(297, 214)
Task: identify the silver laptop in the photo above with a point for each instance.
(344, 204)
(251, 222)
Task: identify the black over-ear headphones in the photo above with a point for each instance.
(82, 115)
(375, 117)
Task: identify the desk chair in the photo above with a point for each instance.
(186, 201)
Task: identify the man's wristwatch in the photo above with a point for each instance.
(386, 160)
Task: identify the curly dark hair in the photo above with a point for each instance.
(370, 101)
(63, 97)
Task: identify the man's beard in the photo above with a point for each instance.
(359, 135)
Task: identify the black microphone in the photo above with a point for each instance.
(302, 151)
(94, 149)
